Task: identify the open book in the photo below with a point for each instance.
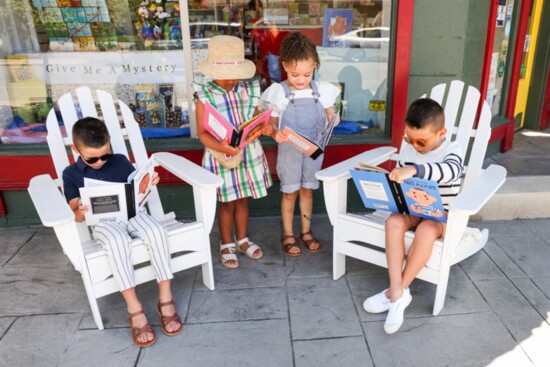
(222, 129)
(117, 200)
(308, 146)
(414, 196)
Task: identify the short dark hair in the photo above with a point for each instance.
(90, 132)
(423, 112)
(297, 47)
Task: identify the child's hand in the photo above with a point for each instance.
(400, 174)
(281, 138)
(330, 115)
(268, 130)
(78, 209)
(155, 179)
(83, 209)
(228, 149)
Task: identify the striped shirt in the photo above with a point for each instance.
(252, 176)
(443, 165)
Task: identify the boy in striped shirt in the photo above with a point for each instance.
(428, 154)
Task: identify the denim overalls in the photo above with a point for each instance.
(306, 116)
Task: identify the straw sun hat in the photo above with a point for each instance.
(226, 59)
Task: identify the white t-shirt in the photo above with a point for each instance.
(275, 95)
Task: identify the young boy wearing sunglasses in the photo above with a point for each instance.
(91, 141)
(428, 155)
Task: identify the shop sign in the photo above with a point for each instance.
(114, 67)
(376, 105)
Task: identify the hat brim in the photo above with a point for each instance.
(246, 70)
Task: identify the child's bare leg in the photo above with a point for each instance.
(226, 213)
(241, 218)
(421, 249)
(396, 226)
(165, 295)
(133, 305)
(288, 201)
(306, 208)
(241, 223)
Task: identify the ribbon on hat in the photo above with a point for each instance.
(228, 62)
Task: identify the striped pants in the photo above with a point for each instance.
(116, 238)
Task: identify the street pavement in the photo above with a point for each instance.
(281, 311)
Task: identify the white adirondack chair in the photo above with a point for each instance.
(478, 186)
(189, 242)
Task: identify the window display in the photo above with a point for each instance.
(134, 50)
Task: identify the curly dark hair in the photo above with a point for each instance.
(297, 47)
(423, 112)
(90, 132)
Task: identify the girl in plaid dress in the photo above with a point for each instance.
(236, 100)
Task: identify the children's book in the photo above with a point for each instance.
(222, 129)
(414, 196)
(308, 146)
(118, 200)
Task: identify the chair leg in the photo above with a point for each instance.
(338, 264)
(441, 290)
(208, 275)
(93, 304)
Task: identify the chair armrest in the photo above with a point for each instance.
(204, 184)
(187, 170)
(340, 170)
(335, 178)
(472, 198)
(49, 202)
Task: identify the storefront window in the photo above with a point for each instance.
(135, 50)
(352, 38)
(501, 57)
(130, 48)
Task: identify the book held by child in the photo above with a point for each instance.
(414, 196)
(115, 199)
(308, 146)
(222, 129)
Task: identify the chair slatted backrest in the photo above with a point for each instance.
(57, 143)
(462, 128)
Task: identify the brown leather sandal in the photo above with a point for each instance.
(137, 331)
(307, 243)
(165, 320)
(287, 246)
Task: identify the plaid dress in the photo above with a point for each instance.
(252, 176)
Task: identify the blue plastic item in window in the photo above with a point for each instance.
(155, 132)
(347, 127)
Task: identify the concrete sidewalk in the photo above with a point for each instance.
(283, 311)
(526, 193)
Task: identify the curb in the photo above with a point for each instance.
(520, 197)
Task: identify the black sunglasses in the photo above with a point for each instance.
(93, 160)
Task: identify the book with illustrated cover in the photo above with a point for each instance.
(414, 196)
(308, 146)
(222, 129)
(119, 200)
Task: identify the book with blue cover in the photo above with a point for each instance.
(414, 196)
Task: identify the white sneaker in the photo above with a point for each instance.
(394, 320)
(377, 303)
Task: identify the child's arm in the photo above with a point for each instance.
(78, 209)
(330, 115)
(277, 134)
(207, 139)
